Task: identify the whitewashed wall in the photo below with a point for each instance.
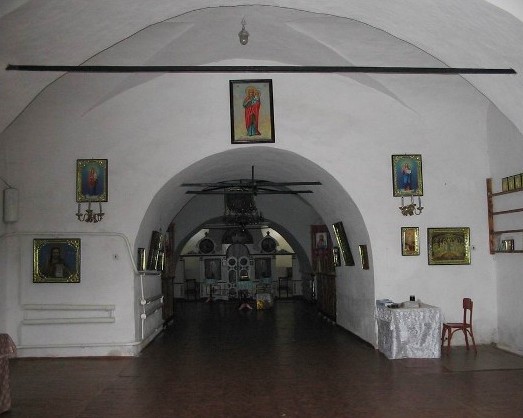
(153, 131)
(156, 133)
(505, 147)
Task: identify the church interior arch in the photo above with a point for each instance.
(158, 131)
(290, 215)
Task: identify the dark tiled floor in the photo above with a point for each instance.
(215, 361)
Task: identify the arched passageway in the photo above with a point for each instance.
(293, 214)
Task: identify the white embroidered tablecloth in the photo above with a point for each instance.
(409, 332)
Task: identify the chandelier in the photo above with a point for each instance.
(240, 208)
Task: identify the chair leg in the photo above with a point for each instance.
(443, 332)
(473, 342)
(446, 334)
(465, 331)
(449, 338)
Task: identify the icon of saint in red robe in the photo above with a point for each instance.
(251, 104)
(92, 181)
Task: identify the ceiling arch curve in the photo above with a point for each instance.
(283, 36)
(189, 213)
(284, 32)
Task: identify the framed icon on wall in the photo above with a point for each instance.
(252, 112)
(91, 180)
(407, 177)
(56, 260)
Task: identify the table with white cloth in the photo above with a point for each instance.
(7, 349)
(409, 332)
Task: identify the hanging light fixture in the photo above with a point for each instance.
(243, 34)
(240, 208)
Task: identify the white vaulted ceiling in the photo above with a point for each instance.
(471, 33)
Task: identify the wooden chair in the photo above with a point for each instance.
(284, 286)
(449, 328)
(191, 289)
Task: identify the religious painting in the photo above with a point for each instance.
(410, 240)
(56, 260)
(336, 256)
(343, 243)
(364, 257)
(252, 113)
(407, 177)
(91, 180)
(169, 247)
(448, 245)
(506, 245)
(155, 262)
(263, 269)
(320, 241)
(504, 184)
(321, 246)
(212, 269)
(511, 184)
(518, 182)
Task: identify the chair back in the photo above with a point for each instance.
(467, 311)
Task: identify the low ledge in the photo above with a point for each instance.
(54, 321)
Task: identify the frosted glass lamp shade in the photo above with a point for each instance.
(10, 205)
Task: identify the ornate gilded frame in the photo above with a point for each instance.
(407, 176)
(336, 256)
(410, 240)
(343, 243)
(91, 180)
(364, 256)
(448, 245)
(56, 260)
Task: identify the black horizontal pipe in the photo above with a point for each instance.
(254, 69)
(259, 192)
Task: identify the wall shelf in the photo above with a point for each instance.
(493, 233)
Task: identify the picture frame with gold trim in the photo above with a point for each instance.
(91, 180)
(336, 256)
(407, 177)
(343, 243)
(56, 260)
(448, 245)
(510, 182)
(410, 241)
(518, 180)
(504, 184)
(364, 257)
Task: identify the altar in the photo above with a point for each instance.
(409, 332)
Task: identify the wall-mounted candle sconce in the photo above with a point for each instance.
(89, 215)
(411, 208)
